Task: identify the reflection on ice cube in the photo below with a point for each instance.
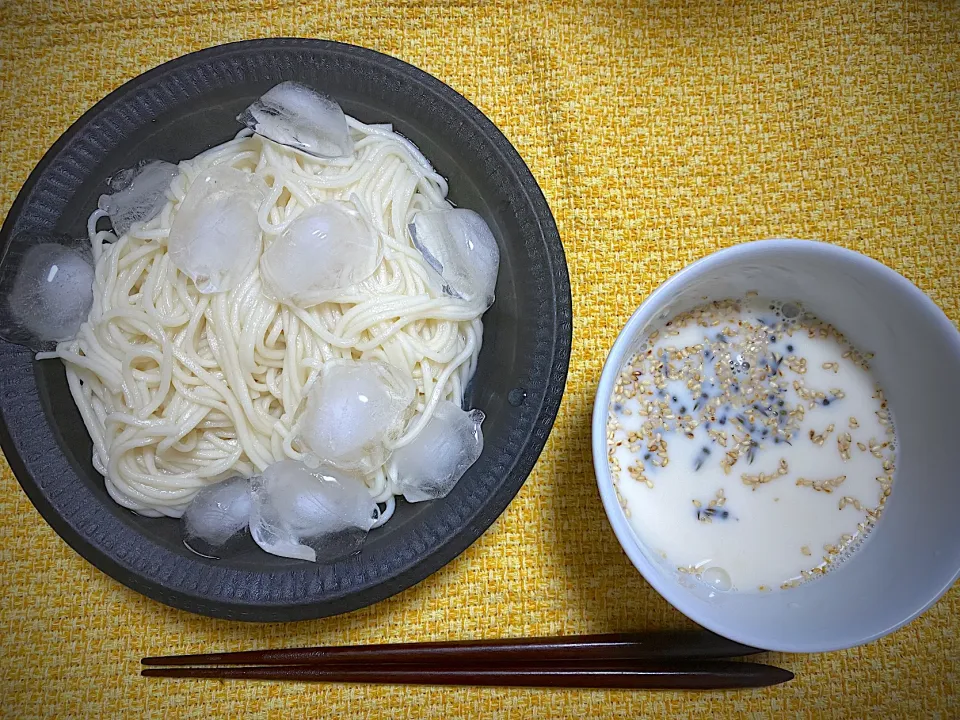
(429, 466)
(459, 247)
(217, 517)
(353, 409)
(46, 289)
(326, 249)
(215, 236)
(139, 194)
(295, 115)
(310, 514)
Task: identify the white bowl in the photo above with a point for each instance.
(913, 555)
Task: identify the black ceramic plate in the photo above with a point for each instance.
(184, 107)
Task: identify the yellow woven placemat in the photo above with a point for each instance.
(659, 132)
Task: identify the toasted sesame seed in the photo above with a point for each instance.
(847, 500)
(826, 486)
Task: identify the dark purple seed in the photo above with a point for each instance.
(826, 402)
(725, 514)
(789, 348)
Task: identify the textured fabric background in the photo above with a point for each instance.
(659, 132)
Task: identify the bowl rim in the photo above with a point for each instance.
(671, 591)
(90, 531)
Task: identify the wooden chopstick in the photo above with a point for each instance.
(659, 646)
(704, 675)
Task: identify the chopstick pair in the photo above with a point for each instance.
(658, 660)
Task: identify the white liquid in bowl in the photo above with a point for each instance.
(750, 445)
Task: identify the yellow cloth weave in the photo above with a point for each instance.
(659, 132)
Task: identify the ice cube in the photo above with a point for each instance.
(295, 115)
(429, 466)
(327, 248)
(310, 514)
(139, 193)
(46, 282)
(217, 517)
(352, 410)
(215, 236)
(460, 248)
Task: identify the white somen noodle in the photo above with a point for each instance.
(180, 389)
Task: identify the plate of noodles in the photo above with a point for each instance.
(286, 324)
